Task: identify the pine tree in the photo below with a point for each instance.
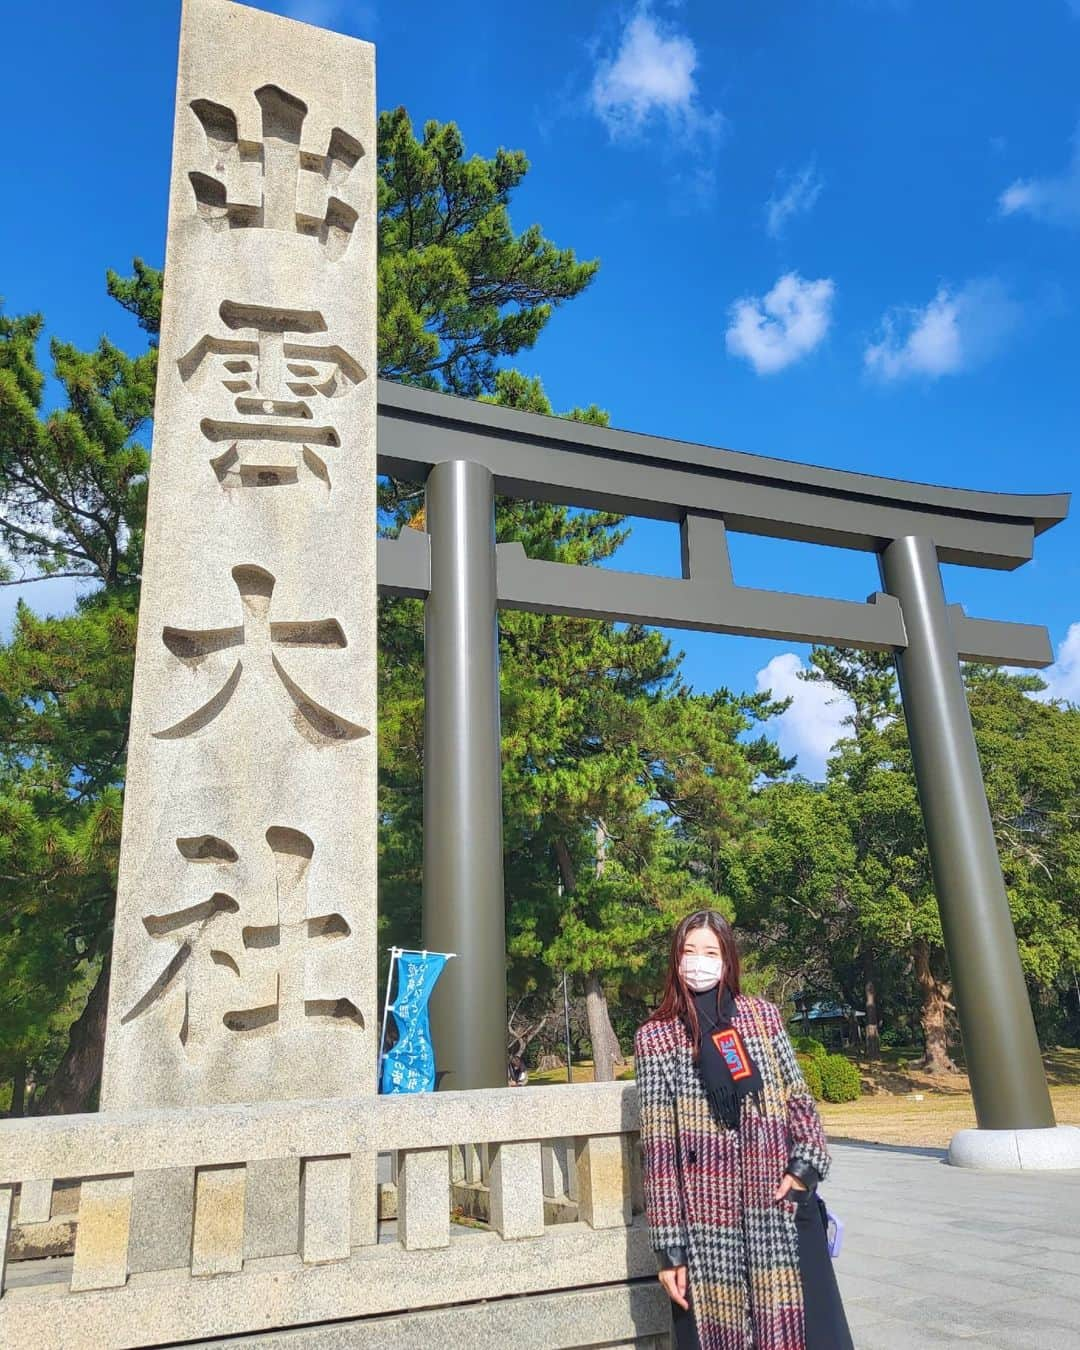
(72, 484)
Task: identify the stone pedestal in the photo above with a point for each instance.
(1043, 1150)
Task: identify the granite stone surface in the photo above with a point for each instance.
(217, 1239)
(101, 1243)
(516, 1186)
(280, 1291)
(133, 1141)
(272, 1207)
(635, 1315)
(35, 1202)
(7, 1201)
(603, 1179)
(1017, 1150)
(162, 1206)
(933, 1256)
(325, 1221)
(368, 1196)
(244, 951)
(424, 1198)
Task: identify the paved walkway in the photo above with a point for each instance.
(940, 1256)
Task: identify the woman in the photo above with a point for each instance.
(733, 1150)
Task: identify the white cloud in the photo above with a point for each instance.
(814, 722)
(651, 75)
(957, 330)
(793, 197)
(1054, 200)
(774, 330)
(1063, 677)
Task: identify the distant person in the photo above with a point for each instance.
(517, 1074)
(733, 1150)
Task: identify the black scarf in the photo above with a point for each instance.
(728, 1074)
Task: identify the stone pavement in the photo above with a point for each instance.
(940, 1256)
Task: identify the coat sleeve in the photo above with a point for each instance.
(807, 1134)
(659, 1157)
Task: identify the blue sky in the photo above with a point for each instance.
(838, 231)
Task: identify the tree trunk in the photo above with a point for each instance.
(565, 865)
(519, 1041)
(935, 1001)
(873, 1026)
(18, 1089)
(601, 837)
(74, 1084)
(605, 1046)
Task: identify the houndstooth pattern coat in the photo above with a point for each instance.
(711, 1191)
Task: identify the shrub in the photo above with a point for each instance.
(811, 1071)
(840, 1080)
(809, 1045)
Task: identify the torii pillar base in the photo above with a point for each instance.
(1056, 1149)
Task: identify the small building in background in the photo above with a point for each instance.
(836, 1025)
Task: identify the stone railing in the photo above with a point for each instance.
(234, 1220)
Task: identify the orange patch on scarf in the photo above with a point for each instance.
(730, 1045)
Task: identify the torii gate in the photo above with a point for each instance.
(467, 452)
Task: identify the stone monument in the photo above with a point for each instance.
(244, 949)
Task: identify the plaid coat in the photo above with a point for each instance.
(710, 1190)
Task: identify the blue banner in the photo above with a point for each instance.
(409, 1065)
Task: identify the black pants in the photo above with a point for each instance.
(826, 1324)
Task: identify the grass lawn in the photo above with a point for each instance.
(908, 1107)
(582, 1073)
(903, 1106)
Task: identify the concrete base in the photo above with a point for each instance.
(622, 1317)
(1053, 1149)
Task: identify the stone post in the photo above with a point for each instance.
(244, 951)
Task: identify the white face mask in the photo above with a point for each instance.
(701, 972)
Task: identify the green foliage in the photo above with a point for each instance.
(809, 1045)
(73, 483)
(1030, 753)
(810, 1064)
(458, 288)
(838, 884)
(840, 1081)
(140, 294)
(72, 504)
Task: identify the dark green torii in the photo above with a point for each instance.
(466, 452)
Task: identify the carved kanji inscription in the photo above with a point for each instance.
(239, 977)
(256, 639)
(278, 381)
(279, 182)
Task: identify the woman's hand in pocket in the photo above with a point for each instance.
(675, 1284)
(788, 1183)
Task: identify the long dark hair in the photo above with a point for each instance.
(676, 1003)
